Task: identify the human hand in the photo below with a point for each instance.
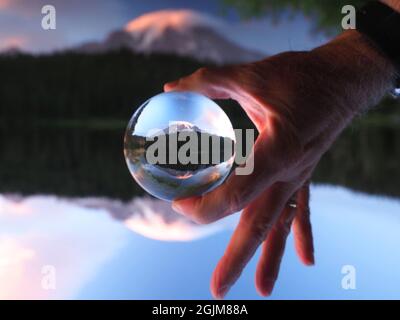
(299, 103)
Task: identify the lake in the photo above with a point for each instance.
(70, 212)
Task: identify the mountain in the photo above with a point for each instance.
(177, 127)
(136, 146)
(11, 52)
(180, 32)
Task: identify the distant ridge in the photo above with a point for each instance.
(180, 32)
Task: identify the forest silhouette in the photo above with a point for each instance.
(63, 118)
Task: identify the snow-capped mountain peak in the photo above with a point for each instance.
(180, 32)
(152, 25)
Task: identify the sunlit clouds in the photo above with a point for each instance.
(77, 237)
(39, 231)
(87, 21)
(15, 265)
(158, 21)
(153, 24)
(77, 22)
(155, 219)
(93, 242)
(4, 4)
(13, 42)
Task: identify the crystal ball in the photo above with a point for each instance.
(178, 145)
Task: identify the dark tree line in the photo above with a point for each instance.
(79, 86)
(50, 144)
(69, 86)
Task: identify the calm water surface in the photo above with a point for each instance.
(69, 208)
(104, 248)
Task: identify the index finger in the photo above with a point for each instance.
(229, 82)
(254, 226)
(215, 83)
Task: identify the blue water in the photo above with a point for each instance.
(97, 256)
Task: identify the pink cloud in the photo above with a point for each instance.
(13, 41)
(4, 4)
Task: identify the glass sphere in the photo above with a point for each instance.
(178, 145)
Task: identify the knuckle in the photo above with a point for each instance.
(202, 72)
(259, 229)
(200, 216)
(235, 202)
(213, 74)
(202, 219)
(284, 226)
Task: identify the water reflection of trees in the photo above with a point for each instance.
(81, 162)
(365, 158)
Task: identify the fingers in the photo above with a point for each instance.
(302, 229)
(216, 83)
(272, 253)
(231, 82)
(272, 158)
(254, 225)
(274, 246)
(238, 190)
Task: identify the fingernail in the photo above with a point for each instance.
(172, 84)
(308, 258)
(268, 287)
(311, 260)
(222, 292)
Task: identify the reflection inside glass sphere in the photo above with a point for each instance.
(179, 144)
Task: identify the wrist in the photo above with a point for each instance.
(362, 74)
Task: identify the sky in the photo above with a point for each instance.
(81, 21)
(143, 256)
(95, 256)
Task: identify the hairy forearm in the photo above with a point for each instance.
(361, 75)
(344, 78)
